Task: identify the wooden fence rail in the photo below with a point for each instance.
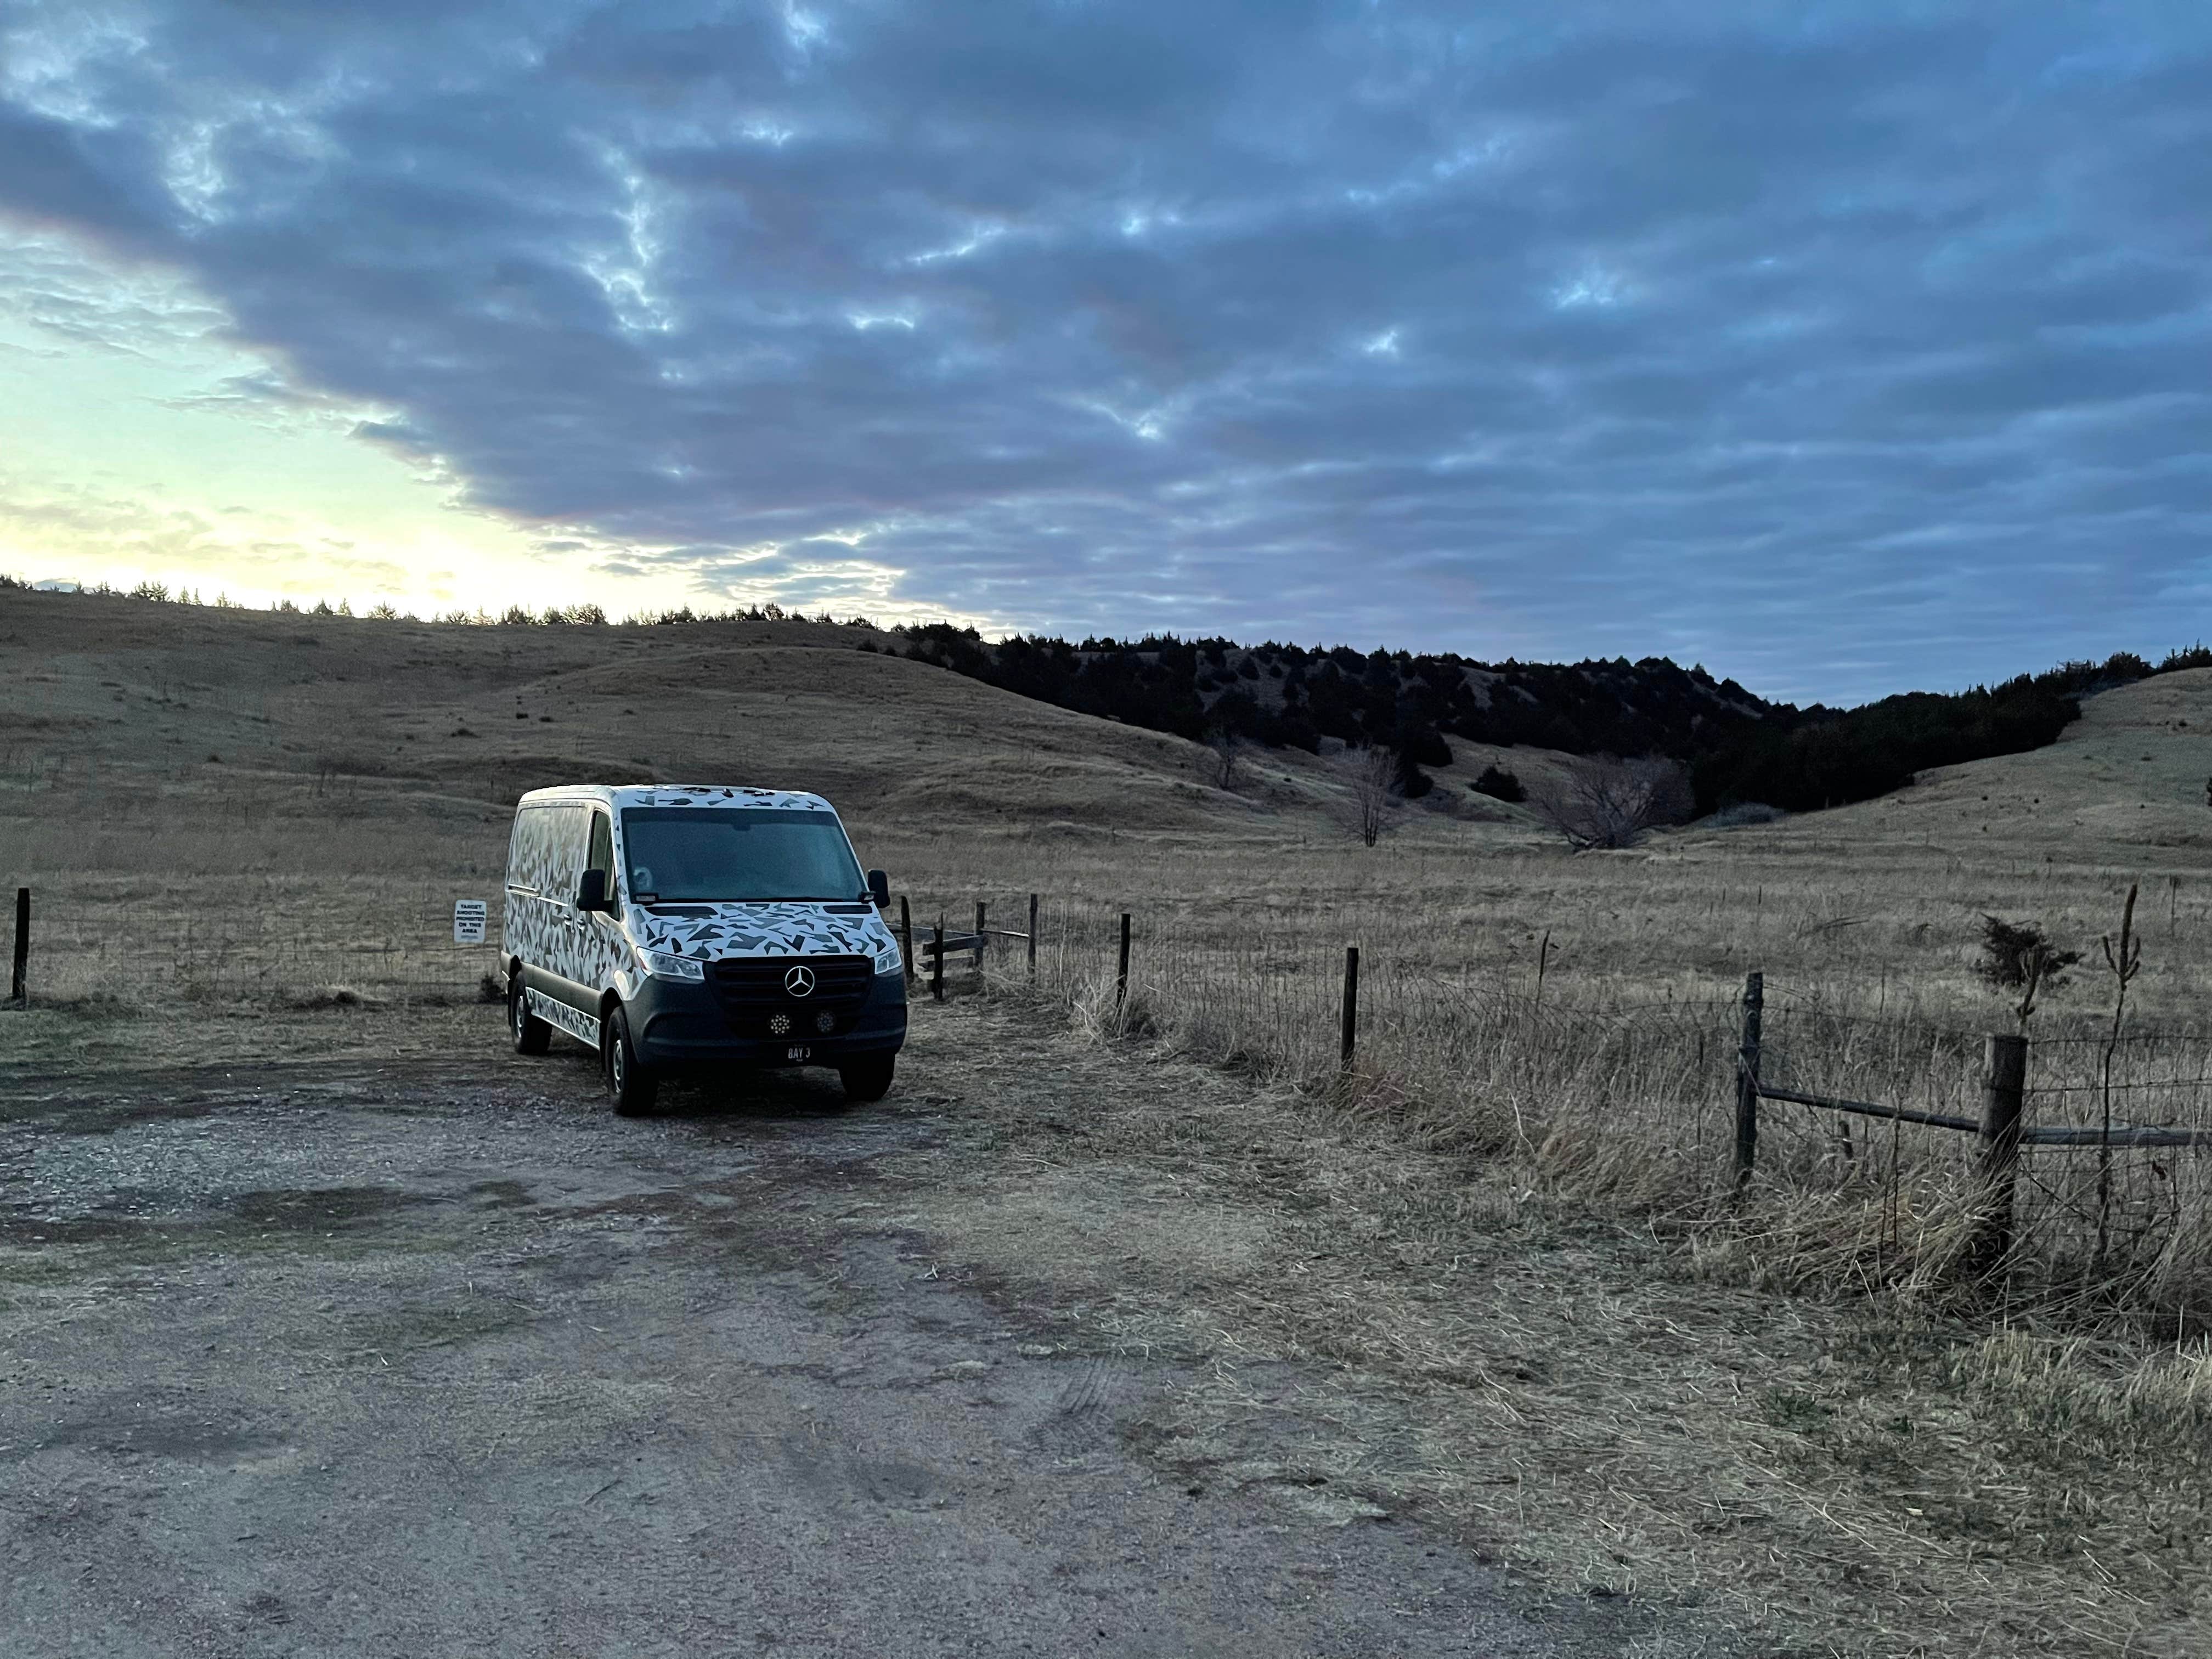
(1867, 1108)
(2001, 1127)
(940, 944)
(2132, 1134)
(2121, 1135)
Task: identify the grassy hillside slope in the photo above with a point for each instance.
(170, 695)
(2125, 786)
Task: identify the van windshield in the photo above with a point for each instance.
(737, 855)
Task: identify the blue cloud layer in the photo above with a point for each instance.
(1842, 348)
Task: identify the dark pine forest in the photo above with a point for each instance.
(1736, 746)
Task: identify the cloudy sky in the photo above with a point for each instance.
(1842, 348)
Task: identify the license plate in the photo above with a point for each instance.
(796, 1053)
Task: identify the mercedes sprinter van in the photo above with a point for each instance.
(696, 927)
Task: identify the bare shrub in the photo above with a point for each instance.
(1228, 751)
(1605, 802)
(1374, 769)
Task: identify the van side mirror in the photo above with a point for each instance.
(592, 892)
(879, 889)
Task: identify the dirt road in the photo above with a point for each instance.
(407, 1357)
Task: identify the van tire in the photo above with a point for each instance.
(868, 1078)
(529, 1034)
(632, 1085)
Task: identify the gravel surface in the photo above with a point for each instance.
(411, 1357)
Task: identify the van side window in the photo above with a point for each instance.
(515, 843)
(529, 850)
(602, 857)
(570, 826)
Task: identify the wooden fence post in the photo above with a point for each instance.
(937, 961)
(1121, 972)
(906, 937)
(20, 983)
(1033, 914)
(1747, 1078)
(1350, 1038)
(2004, 1084)
(979, 938)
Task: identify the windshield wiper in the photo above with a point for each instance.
(775, 898)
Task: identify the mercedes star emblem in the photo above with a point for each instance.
(800, 982)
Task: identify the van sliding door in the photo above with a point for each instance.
(561, 966)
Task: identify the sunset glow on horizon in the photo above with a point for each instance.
(150, 444)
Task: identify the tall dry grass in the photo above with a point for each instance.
(1622, 1093)
(153, 895)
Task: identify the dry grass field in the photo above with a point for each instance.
(245, 831)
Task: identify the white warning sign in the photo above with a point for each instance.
(468, 922)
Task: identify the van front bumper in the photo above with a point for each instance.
(678, 1022)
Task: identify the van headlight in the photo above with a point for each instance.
(666, 965)
(889, 961)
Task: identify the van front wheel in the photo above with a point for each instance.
(529, 1034)
(632, 1085)
(866, 1079)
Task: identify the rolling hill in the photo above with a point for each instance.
(121, 695)
(2126, 783)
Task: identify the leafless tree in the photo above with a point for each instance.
(1373, 771)
(1228, 755)
(1604, 802)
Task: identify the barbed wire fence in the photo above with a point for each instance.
(1637, 1096)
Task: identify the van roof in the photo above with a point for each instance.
(620, 795)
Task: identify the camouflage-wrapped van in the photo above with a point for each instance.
(697, 926)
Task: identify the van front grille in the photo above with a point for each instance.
(752, 992)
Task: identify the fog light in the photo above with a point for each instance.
(825, 1021)
(779, 1024)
